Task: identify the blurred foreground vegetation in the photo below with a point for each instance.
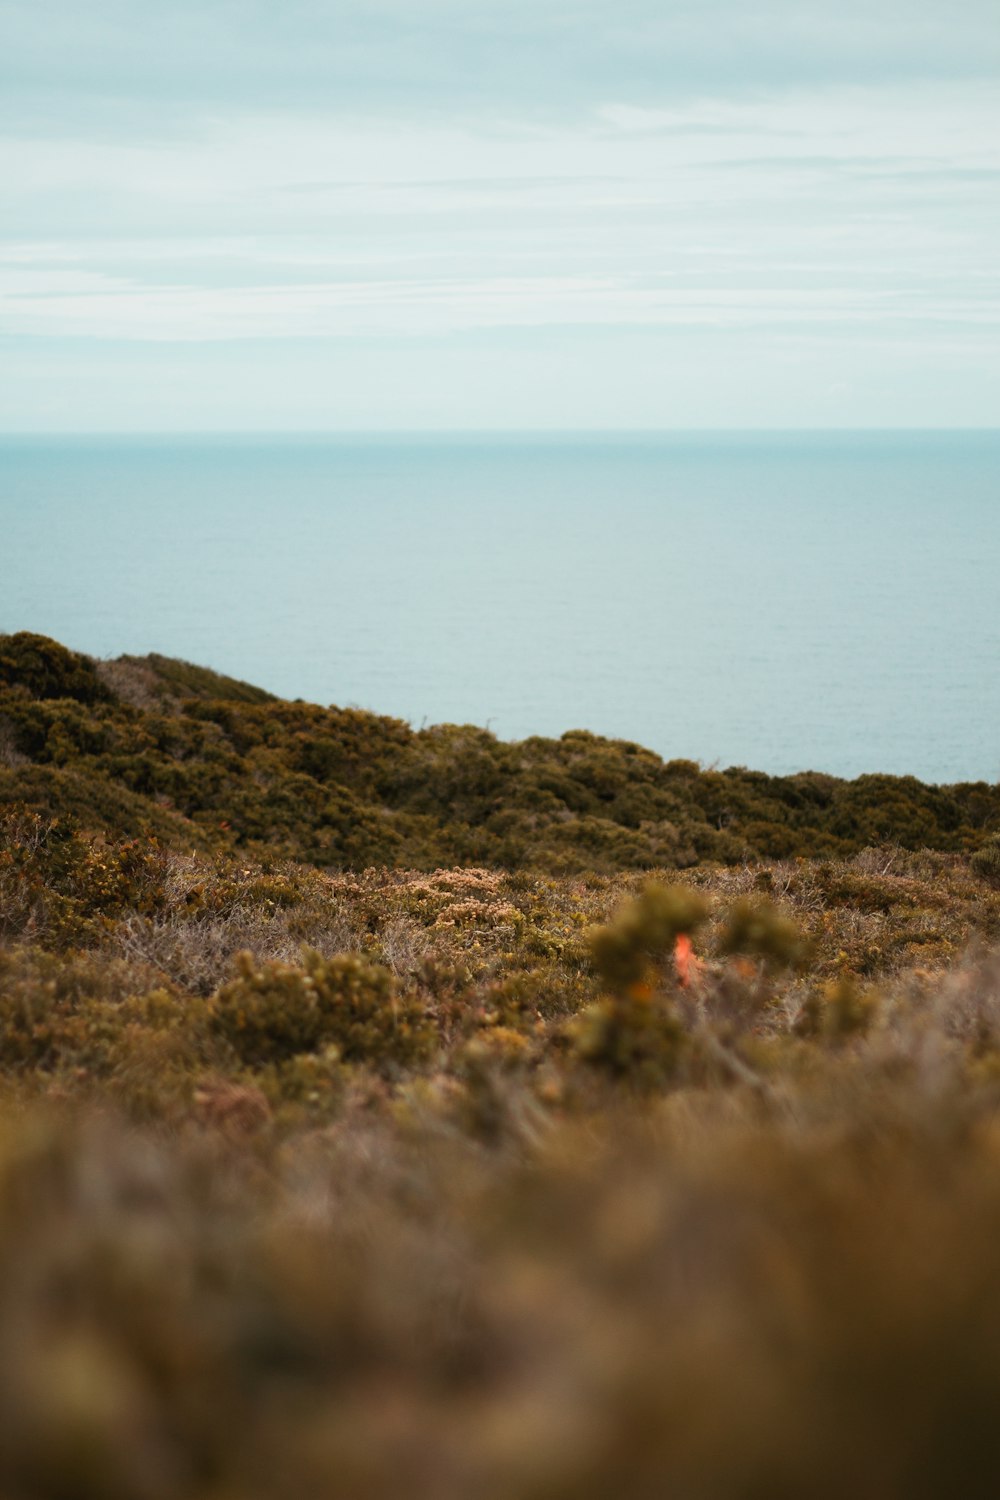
(342, 1152)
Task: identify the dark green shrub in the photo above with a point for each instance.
(48, 670)
(268, 1013)
(350, 789)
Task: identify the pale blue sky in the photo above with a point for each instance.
(440, 214)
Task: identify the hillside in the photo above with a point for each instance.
(204, 762)
(542, 1179)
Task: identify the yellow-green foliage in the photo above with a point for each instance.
(635, 1031)
(760, 931)
(841, 1009)
(55, 882)
(643, 935)
(276, 1010)
(417, 966)
(638, 1038)
(986, 861)
(74, 1024)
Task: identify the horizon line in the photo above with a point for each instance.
(333, 433)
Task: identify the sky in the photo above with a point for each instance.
(498, 214)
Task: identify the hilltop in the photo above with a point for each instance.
(204, 762)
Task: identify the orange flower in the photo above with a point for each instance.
(685, 963)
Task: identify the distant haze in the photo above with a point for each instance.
(482, 214)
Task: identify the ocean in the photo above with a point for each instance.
(778, 601)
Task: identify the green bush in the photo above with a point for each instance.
(78, 1013)
(633, 1032)
(643, 934)
(757, 929)
(55, 880)
(48, 670)
(274, 1011)
(209, 762)
(986, 861)
(638, 1038)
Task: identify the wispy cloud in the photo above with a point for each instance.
(458, 170)
(64, 302)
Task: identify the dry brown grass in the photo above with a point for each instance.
(743, 1244)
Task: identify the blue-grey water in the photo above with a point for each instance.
(776, 601)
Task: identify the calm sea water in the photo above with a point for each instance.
(781, 602)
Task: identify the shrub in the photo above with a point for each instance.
(757, 929)
(80, 1012)
(838, 1011)
(633, 1032)
(644, 933)
(277, 1010)
(986, 861)
(640, 1038)
(153, 743)
(309, 1085)
(48, 670)
(55, 880)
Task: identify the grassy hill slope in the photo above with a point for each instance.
(476, 1181)
(204, 762)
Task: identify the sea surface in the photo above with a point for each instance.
(777, 601)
